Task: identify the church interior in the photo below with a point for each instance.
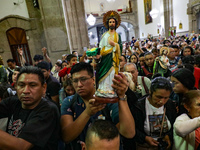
(63, 26)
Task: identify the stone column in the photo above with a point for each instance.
(54, 27)
(76, 24)
(193, 11)
(37, 40)
(166, 17)
(196, 12)
(135, 15)
(189, 12)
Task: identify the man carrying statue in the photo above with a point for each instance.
(80, 110)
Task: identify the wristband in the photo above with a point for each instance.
(124, 98)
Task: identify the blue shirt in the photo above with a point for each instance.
(79, 107)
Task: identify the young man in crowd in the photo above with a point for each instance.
(71, 60)
(147, 69)
(166, 43)
(176, 50)
(141, 63)
(11, 66)
(122, 61)
(80, 110)
(53, 86)
(33, 121)
(39, 58)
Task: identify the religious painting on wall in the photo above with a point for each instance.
(147, 9)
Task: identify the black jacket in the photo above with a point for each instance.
(139, 114)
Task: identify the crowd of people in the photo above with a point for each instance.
(55, 106)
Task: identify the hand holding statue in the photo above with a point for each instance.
(92, 107)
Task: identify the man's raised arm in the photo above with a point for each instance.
(126, 123)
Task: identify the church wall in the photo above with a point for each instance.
(44, 26)
(180, 14)
(94, 6)
(7, 7)
(54, 29)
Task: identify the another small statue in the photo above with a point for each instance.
(161, 63)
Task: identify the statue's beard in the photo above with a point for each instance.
(111, 27)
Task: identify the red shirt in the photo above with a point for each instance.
(197, 76)
(64, 71)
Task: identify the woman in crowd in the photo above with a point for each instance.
(133, 59)
(58, 67)
(6, 90)
(154, 116)
(68, 87)
(64, 64)
(67, 90)
(188, 50)
(14, 75)
(183, 80)
(186, 126)
(197, 49)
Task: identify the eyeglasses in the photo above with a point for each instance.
(81, 79)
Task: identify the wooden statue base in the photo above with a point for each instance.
(106, 100)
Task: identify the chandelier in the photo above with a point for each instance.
(111, 0)
(91, 20)
(154, 13)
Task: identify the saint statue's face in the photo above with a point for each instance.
(111, 24)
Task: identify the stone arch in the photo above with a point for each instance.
(128, 17)
(15, 21)
(123, 26)
(17, 38)
(99, 22)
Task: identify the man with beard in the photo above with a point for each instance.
(111, 48)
